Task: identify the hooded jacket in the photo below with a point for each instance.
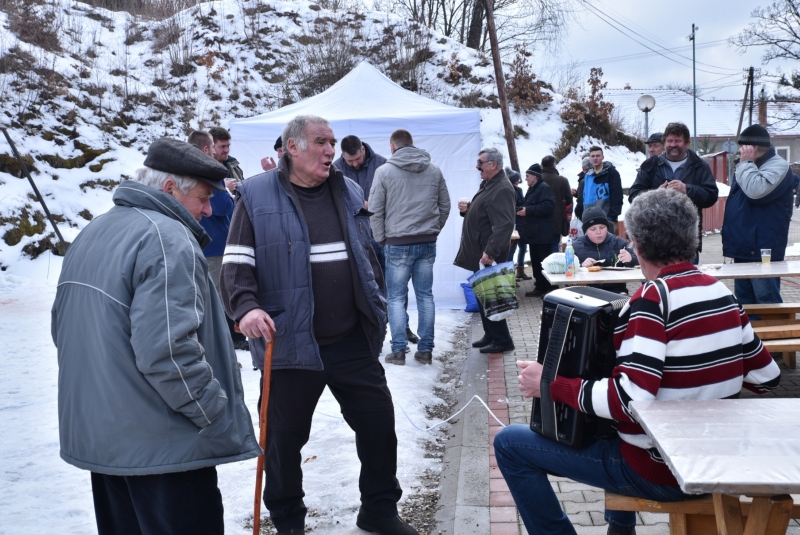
(759, 209)
(364, 175)
(603, 190)
(409, 199)
(701, 187)
(148, 380)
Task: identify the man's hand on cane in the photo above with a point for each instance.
(256, 324)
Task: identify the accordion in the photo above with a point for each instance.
(576, 340)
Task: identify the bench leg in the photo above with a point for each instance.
(769, 515)
(789, 358)
(728, 514)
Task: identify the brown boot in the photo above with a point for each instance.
(521, 274)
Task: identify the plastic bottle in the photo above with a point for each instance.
(569, 253)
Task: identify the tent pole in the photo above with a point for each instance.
(501, 86)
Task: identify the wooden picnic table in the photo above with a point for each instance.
(731, 448)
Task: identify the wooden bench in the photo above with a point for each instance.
(689, 517)
(778, 328)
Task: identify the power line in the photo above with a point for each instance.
(660, 45)
(602, 17)
(638, 55)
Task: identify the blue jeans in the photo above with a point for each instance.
(526, 458)
(523, 248)
(414, 262)
(556, 243)
(752, 291)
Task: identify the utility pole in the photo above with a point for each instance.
(744, 100)
(694, 90)
(501, 86)
(752, 83)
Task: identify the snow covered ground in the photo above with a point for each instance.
(39, 492)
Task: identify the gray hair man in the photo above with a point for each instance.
(486, 236)
(144, 356)
(410, 206)
(670, 347)
(298, 263)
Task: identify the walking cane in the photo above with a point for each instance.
(262, 431)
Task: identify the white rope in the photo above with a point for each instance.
(431, 428)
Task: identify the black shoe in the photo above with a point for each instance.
(293, 531)
(483, 342)
(494, 348)
(392, 525)
(242, 344)
(397, 357)
(413, 338)
(425, 357)
(614, 530)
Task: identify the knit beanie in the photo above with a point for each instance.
(754, 135)
(594, 216)
(512, 175)
(535, 170)
(278, 143)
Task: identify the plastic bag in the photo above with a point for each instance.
(575, 228)
(555, 263)
(469, 297)
(495, 287)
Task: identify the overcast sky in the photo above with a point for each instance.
(668, 25)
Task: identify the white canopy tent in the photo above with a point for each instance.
(369, 105)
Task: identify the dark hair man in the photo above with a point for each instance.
(680, 169)
(703, 347)
(298, 263)
(410, 206)
(602, 187)
(359, 162)
(563, 197)
(216, 226)
(655, 144)
(222, 149)
(486, 237)
(758, 212)
(149, 394)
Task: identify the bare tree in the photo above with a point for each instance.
(777, 28)
(518, 21)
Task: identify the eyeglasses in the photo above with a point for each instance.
(481, 162)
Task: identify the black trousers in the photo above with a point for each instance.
(538, 252)
(358, 382)
(179, 503)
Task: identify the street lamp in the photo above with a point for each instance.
(694, 90)
(646, 103)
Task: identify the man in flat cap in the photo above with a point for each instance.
(149, 393)
(655, 144)
(758, 213)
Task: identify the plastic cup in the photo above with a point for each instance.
(766, 254)
(463, 203)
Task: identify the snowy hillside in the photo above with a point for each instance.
(85, 96)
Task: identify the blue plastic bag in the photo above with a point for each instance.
(469, 297)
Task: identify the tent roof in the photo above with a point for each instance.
(374, 105)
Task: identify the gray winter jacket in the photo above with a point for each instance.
(409, 199)
(148, 381)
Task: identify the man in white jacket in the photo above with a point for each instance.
(411, 204)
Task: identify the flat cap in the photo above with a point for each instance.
(183, 159)
(654, 138)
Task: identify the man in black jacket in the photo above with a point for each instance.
(537, 227)
(680, 169)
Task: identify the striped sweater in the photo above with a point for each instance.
(707, 350)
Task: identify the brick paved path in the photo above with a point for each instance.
(583, 504)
